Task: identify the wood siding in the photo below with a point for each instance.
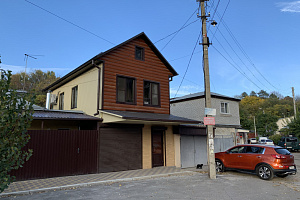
(122, 61)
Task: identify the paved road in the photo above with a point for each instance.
(228, 185)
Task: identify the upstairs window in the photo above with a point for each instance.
(125, 90)
(74, 97)
(139, 53)
(151, 93)
(224, 108)
(61, 101)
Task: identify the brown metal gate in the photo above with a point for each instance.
(120, 149)
(60, 153)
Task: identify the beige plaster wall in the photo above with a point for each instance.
(146, 145)
(87, 92)
(170, 149)
(177, 150)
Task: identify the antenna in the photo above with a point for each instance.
(26, 58)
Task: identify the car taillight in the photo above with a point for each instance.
(278, 156)
(284, 144)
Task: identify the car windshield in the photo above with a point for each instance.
(282, 151)
(269, 141)
(291, 139)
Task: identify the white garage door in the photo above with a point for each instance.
(193, 150)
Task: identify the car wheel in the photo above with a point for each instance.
(219, 166)
(264, 172)
(282, 175)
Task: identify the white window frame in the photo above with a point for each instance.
(225, 103)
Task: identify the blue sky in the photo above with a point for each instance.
(255, 45)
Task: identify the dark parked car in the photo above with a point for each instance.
(290, 143)
(265, 160)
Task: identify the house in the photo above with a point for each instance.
(283, 122)
(127, 87)
(193, 137)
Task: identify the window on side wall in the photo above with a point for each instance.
(61, 101)
(224, 108)
(125, 90)
(139, 53)
(151, 93)
(74, 97)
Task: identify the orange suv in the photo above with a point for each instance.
(266, 161)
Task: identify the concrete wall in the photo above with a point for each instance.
(195, 109)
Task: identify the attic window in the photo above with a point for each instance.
(139, 53)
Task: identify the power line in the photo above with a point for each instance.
(240, 59)
(236, 68)
(70, 22)
(175, 31)
(245, 54)
(179, 30)
(189, 63)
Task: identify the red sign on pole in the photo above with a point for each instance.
(209, 121)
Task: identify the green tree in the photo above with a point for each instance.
(263, 94)
(293, 128)
(36, 80)
(253, 94)
(244, 94)
(16, 111)
(266, 124)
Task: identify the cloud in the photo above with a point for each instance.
(293, 6)
(184, 90)
(18, 69)
(13, 68)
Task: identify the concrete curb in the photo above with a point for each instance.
(79, 185)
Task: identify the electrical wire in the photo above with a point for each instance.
(245, 54)
(236, 67)
(179, 30)
(189, 62)
(70, 22)
(175, 31)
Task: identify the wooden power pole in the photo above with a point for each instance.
(295, 111)
(209, 128)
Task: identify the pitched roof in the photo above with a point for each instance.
(149, 116)
(46, 114)
(200, 95)
(87, 65)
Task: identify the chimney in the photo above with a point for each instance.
(48, 99)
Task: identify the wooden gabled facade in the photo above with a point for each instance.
(122, 62)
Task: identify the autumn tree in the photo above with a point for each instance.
(36, 80)
(16, 111)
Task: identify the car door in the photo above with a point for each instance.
(233, 157)
(251, 157)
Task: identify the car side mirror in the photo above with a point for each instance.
(227, 152)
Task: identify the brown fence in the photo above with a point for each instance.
(60, 153)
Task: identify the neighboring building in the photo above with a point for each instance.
(193, 137)
(283, 122)
(128, 87)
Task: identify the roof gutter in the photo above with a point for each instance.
(99, 86)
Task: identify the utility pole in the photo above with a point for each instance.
(254, 126)
(209, 128)
(295, 111)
